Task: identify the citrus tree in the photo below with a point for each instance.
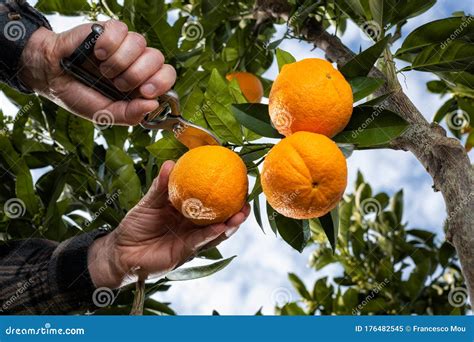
(92, 174)
(382, 266)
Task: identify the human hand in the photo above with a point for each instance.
(154, 238)
(125, 59)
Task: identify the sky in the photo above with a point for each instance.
(257, 278)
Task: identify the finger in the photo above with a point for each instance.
(142, 69)
(129, 51)
(69, 41)
(240, 217)
(221, 238)
(114, 34)
(159, 83)
(90, 104)
(133, 112)
(157, 195)
(205, 235)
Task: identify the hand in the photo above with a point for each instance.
(154, 237)
(125, 59)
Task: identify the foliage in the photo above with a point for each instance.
(90, 176)
(386, 267)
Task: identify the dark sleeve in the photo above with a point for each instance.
(18, 21)
(39, 276)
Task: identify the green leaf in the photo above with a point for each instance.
(299, 286)
(211, 254)
(124, 177)
(396, 205)
(158, 307)
(64, 7)
(295, 232)
(445, 253)
(257, 189)
(256, 118)
(456, 56)
(24, 182)
(283, 57)
(222, 121)
(198, 271)
(364, 86)
(257, 214)
(438, 31)
(167, 148)
(416, 281)
(330, 225)
(360, 65)
(292, 309)
(271, 214)
(372, 127)
(116, 135)
(437, 87)
(448, 107)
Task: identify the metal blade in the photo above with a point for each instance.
(193, 136)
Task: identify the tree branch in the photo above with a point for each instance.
(444, 158)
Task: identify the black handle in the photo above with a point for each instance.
(75, 65)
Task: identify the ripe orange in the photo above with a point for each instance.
(310, 95)
(304, 175)
(208, 184)
(249, 84)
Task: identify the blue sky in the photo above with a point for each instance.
(259, 275)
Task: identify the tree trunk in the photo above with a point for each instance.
(444, 158)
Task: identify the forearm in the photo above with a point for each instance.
(43, 277)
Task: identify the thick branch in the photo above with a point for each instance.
(444, 158)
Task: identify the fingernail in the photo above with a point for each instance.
(101, 53)
(121, 83)
(149, 89)
(231, 232)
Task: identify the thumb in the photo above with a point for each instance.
(157, 195)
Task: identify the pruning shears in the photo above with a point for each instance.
(84, 67)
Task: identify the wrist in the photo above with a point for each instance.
(104, 263)
(38, 60)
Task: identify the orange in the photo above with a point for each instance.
(310, 95)
(249, 84)
(208, 184)
(304, 175)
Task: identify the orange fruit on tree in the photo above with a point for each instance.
(249, 84)
(208, 184)
(304, 175)
(310, 95)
